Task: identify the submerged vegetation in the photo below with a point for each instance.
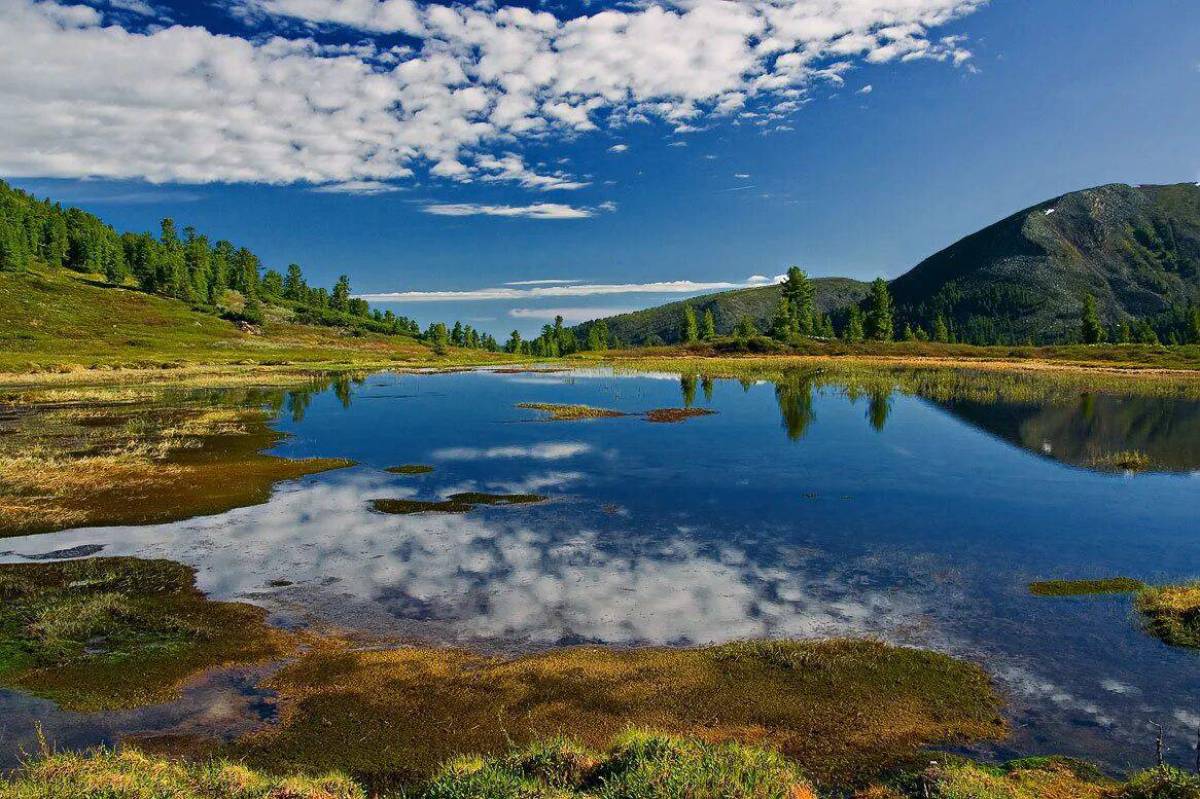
(846, 708)
(455, 503)
(1172, 612)
(1107, 585)
(563, 413)
(118, 632)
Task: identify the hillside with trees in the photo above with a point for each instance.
(660, 325)
(1117, 264)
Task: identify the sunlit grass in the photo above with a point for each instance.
(1172, 612)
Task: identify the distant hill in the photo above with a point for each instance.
(662, 323)
(1135, 249)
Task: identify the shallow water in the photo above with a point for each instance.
(796, 510)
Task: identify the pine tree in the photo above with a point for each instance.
(690, 331)
(709, 329)
(340, 299)
(799, 293)
(514, 342)
(1091, 327)
(294, 287)
(879, 322)
(941, 333)
(782, 321)
(745, 329)
(854, 326)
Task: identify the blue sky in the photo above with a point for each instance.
(705, 141)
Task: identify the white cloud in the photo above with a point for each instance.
(618, 148)
(85, 97)
(866, 89)
(568, 314)
(550, 451)
(578, 290)
(741, 175)
(541, 282)
(363, 187)
(535, 211)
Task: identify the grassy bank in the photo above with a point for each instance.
(637, 764)
(111, 633)
(1172, 612)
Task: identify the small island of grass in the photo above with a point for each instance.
(409, 468)
(672, 415)
(1107, 585)
(1172, 612)
(1124, 461)
(455, 503)
(568, 413)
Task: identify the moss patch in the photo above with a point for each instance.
(671, 415)
(1108, 585)
(567, 413)
(129, 774)
(1172, 612)
(409, 468)
(455, 503)
(845, 709)
(109, 633)
(1033, 778)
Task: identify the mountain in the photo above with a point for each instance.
(1136, 249)
(661, 324)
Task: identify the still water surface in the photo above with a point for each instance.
(799, 509)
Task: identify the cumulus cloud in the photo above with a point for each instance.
(568, 314)
(535, 211)
(84, 96)
(364, 187)
(866, 89)
(509, 292)
(618, 148)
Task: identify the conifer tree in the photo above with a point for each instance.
(709, 329)
(1091, 328)
(690, 331)
(879, 322)
(854, 326)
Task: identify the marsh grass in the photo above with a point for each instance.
(455, 503)
(1123, 461)
(1107, 585)
(566, 413)
(672, 415)
(108, 633)
(1034, 778)
(1172, 612)
(138, 460)
(844, 709)
(409, 468)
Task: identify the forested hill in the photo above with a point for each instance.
(662, 323)
(219, 277)
(1136, 250)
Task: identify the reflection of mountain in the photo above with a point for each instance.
(1092, 426)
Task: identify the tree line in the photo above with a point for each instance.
(217, 277)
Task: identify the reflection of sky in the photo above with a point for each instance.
(789, 513)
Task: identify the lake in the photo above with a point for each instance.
(806, 506)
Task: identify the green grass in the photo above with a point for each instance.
(638, 765)
(56, 320)
(110, 633)
(673, 415)
(1107, 585)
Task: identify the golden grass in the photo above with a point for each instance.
(1107, 585)
(673, 415)
(1124, 461)
(843, 709)
(1172, 612)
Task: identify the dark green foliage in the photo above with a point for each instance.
(1091, 327)
(1108, 585)
(690, 331)
(708, 330)
(879, 323)
(1162, 783)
